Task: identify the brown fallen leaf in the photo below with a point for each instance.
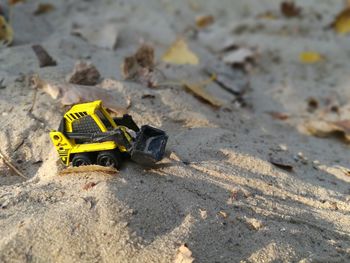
(289, 9)
(45, 60)
(179, 53)
(140, 66)
(43, 8)
(278, 115)
(84, 73)
(184, 255)
(282, 163)
(69, 94)
(198, 90)
(89, 185)
(204, 21)
(341, 23)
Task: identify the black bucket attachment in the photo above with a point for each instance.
(149, 145)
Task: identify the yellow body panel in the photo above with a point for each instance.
(66, 147)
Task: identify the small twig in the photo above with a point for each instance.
(11, 166)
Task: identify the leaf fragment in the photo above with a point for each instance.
(180, 54)
(324, 128)
(198, 90)
(14, 2)
(184, 255)
(45, 60)
(289, 9)
(6, 32)
(140, 66)
(204, 21)
(84, 73)
(44, 8)
(310, 57)
(341, 23)
(278, 115)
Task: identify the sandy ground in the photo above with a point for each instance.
(216, 191)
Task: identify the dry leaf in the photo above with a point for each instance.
(310, 57)
(267, 15)
(253, 223)
(45, 60)
(44, 8)
(198, 90)
(179, 53)
(223, 214)
(184, 255)
(84, 73)
(88, 169)
(289, 9)
(204, 21)
(341, 23)
(14, 2)
(279, 115)
(100, 35)
(324, 128)
(140, 66)
(203, 213)
(70, 94)
(6, 32)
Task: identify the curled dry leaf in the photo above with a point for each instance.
(324, 128)
(204, 21)
(341, 23)
(45, 60)
(289, 9)
(180, 54)
(310, 57)
(69, 94)
(44, 8)
(184, 255)
(84, 73)
(99, 35)
(6, 32)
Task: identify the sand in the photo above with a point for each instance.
(215, 190)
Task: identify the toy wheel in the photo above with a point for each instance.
(81, 159)
(109, 159)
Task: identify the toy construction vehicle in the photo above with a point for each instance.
(89, 135)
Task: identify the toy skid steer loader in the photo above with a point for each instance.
(89, 135)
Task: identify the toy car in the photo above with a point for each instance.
(88, 135)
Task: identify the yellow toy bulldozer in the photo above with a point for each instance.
(88, 135)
